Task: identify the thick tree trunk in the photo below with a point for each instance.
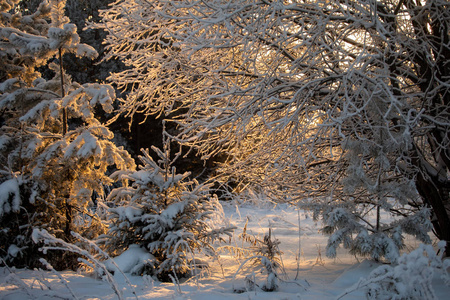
(435, 193)
(433, 159)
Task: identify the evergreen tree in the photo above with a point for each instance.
(376, 206)
(55, 153)
(165, 213)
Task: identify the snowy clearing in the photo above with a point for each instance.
(318, 276)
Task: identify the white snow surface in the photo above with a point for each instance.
(322, 278)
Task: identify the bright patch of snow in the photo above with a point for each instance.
(130, 261)
(9, 196)
(13, 250)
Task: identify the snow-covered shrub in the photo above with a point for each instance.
(264, 255)
(265, 266)
(164, 213)
(410, 278)
(55, 154)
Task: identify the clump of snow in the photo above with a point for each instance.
(14, 251)
(131, 261)
(8, 84)
(59, 37)
(27, 43)
(9, 196)
(38, 110)
(84, 50)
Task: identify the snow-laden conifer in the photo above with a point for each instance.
(55, 153)
(165, 213)
(376, 206)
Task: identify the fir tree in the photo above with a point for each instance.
(55, 153)
(376, 206)
(165, 213)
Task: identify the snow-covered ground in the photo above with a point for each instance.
(318, 277)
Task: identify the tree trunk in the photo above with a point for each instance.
(433, 185)
(63, 93)
(68, 208)
(435, 193)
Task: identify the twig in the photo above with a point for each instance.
(61, 279)
(299, 245)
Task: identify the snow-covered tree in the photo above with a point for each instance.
(165, 213)
(363, 218)
(55, 153)
(338, 101)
